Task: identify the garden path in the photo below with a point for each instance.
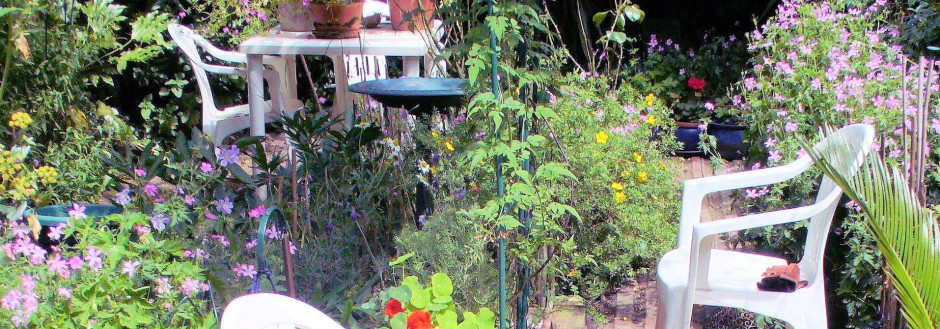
(634, 305)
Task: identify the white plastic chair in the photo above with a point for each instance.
(361, 68)
(219, 123)
(695, 274)
(258, 311)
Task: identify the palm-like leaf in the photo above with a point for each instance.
(906, 232)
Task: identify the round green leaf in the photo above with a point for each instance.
(443, 299)
(446, 319)
(420, 298)
(399, 321)
(402, 294)
(442, 285)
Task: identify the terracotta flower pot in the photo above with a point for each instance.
(332, 21)
(294, 16)
(409, 15)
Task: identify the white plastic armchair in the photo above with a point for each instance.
(259, 311)
(217, 122)
(694, 273)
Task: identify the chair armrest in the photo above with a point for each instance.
(699, 255)
(749, 178)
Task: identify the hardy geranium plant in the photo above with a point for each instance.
(105, 273)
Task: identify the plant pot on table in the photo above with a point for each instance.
(687, 133)
(729, 139)
(337, 19)
(410, 15)
(50, 216)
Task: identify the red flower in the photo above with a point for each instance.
(393, 307)
(420, 320)
(696, 84)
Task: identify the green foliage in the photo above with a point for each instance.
(890, 209)
(626, 187)
(920, 26)
(82, 175)
(112, 277)
(414, 298)
(667, 71)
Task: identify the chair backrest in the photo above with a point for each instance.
(361, 68)
(847, 149)
(257, 311)
(189, 43)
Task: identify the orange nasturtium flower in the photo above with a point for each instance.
(393, 307)
(420, 320)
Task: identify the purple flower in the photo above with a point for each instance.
(224, 206)
(790, 126)
(321, 100)
(140, 172)
(93, 258)
(257, 212)
(190, 286)
(206, 167)
(771, 142)
(75, 263)
(774, 156)
(59, 266)
(159, 222)
(181, 14)
(190, 200)
(244, 270)
(64, 293)
(710, 106)
(123, 197)
(55, 232)
(78, 211)
(228, 156)
(151, 190)
(130, 267)
(353, 214)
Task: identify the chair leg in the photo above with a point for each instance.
(669, 308)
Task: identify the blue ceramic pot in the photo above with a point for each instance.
(688, 135)
(730, 140)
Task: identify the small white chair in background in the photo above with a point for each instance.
(259, 311)
(695, 274)
(217, 122)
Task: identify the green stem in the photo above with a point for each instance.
(7, 61)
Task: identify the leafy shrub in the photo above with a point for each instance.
(920, 27)
(626, 190)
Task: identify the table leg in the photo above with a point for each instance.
(342, 101)
(411, 67)
(256, 107)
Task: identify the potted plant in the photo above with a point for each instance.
(336, 19)
(294, 15)
(411, 15)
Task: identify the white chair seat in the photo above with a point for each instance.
(292, 105)
(263, 311)
(729, 270)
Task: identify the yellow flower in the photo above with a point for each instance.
(20, 120)
(450, 147)
(626, 174)
(642, 176)
(47, 175)
(649, 99)
(637, 157)
(620, 197)
(601, 137)
(617, 186)
(651, 120)
(434, 134)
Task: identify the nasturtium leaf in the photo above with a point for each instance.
(434, 307)
(420, 298)
(442, 285)
(443, 299)
(446, 319)
(486, 319)
(412, 283)
(399, 321)
(402, 294)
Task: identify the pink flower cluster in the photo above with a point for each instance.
(23, 301)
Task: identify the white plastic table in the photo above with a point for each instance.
(412, 46)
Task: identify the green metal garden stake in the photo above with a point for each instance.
(500, 184)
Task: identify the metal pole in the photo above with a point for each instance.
(500, 184)
(522, 304)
